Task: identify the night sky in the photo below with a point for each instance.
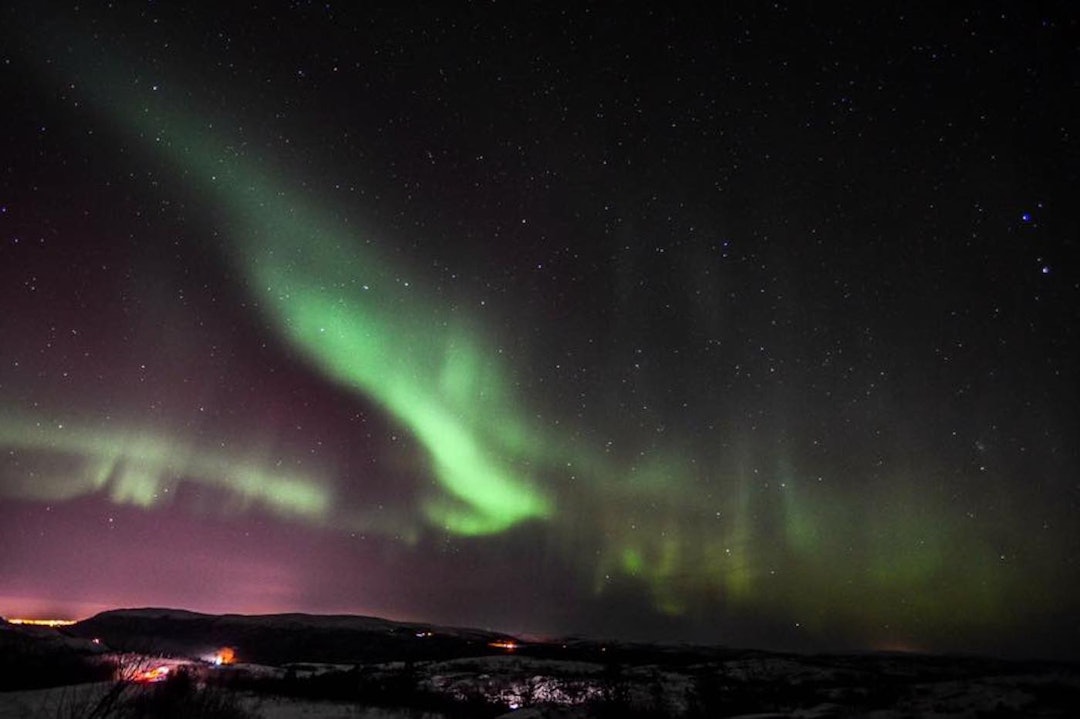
(755, 325)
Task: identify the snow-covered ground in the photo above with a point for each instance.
(571, 680)
(76, 702)
(550, 689)
(56, 703)
(285, 708)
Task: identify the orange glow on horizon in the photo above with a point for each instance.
(42, 622)
(504, 644)
(900, 647)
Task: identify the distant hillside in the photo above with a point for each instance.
(24, 638)
(294, 664)
(282, 638)
(32, 657)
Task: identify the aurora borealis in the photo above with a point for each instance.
(755, 328)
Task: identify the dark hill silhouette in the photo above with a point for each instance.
(282, 638)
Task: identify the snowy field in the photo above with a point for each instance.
(77, 702)
(763, 686)
(274, 667)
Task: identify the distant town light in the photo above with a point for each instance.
(225, 655)
(43, 622)
(151, 676)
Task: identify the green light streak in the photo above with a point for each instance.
(347, 311)
(430, 376)
(144, 469)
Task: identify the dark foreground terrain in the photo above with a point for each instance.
(170, 663)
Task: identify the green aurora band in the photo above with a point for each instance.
(435, 379)
(346, 310)
(143, 469)
(342, 306)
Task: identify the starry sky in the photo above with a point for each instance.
(753, 325)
